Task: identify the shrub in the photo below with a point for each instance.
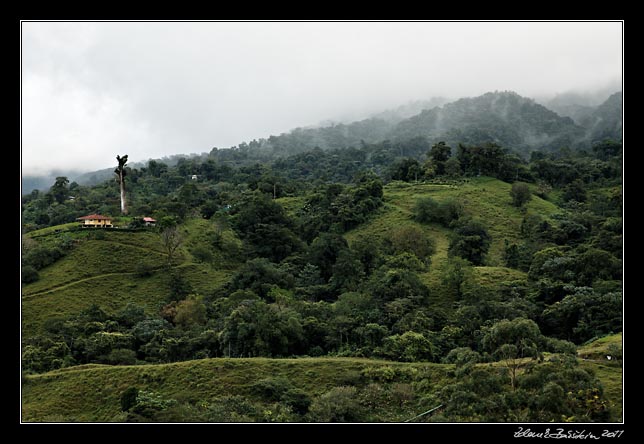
(29, 274)
(382, 374)
(128, 398)
(202, 254)
(520, 194)
(272, 389)
(402, 393)
(144, 270)
(337, 405)
(148, 404)
(298, 400)
(428, 210)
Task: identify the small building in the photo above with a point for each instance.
(95, 221)
(149, 222)
(194, 177)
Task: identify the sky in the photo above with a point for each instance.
(92, 90)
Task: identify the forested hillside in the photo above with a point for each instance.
(504, 118)
(481, 270)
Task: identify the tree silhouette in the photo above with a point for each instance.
(120, 172)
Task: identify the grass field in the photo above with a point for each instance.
(94, 258)
(485, 198)
(609, 372)
(113, 292)
(104, 271)
(92, 393)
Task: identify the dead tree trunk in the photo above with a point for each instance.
(120, 172)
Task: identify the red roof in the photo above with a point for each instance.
(94, 216)
(148, 219)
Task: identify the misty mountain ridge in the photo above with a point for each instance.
(409, 109)
(606, 121)
(579, 105)
(505, 118)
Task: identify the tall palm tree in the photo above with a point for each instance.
(120, 172)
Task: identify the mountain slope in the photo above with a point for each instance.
(504, 118)
(605, 122)
(410, 109)
(106, 271)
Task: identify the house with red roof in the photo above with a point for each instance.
(149, 222)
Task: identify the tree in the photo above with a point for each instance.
(260, 276)
(607, 149)
(457, 272)
(439, 154)
(512, 342)
(410, 347)
(42, 219)
(406, 170)
(520, 194)
(347, 271)
(156, 169)
(413, 240)
(583, 315)
(387, 284)
(171, 239)
(575, 191)
(453, 167)
(190, 311)
(324, 252)
(266, 228)
(121, 356)
(120, 173)
(427, 210)
(470, 241)
(59, 190)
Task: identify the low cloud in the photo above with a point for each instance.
(94, 90)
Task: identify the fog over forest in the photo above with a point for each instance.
(151, 89)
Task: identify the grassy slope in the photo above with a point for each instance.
(485, 198)
(96, 258)
(112, 293)
(610, 373)
(92, 393)
(104, 272)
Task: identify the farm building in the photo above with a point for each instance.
(95, 221)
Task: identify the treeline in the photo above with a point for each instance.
(159, 190)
